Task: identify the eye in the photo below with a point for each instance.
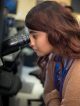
(34, 36)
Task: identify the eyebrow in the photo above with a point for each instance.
(32, 31)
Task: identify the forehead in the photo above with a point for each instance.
(40, 34)
(33, 31)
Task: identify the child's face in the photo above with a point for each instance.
(39, 43)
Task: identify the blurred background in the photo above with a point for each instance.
(23, 6)
(23, 62)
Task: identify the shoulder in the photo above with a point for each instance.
(72, 80)
(75, 69)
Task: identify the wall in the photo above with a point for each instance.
(67, 2)
(22, 8)
(25, 5)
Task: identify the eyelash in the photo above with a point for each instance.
(34, 36)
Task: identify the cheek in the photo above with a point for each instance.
(45, 46)
(48, 47)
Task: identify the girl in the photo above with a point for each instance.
(55, 37)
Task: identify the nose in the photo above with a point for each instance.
(31, 43)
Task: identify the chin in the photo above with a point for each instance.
(40, 54)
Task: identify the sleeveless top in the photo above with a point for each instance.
(60, 74)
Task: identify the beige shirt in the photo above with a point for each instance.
(71, 87)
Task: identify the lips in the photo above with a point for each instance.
(35, 50)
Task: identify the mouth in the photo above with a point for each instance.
(35, 50)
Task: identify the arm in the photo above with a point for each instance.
(72, 87)
(51, 96)
(71, 95)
